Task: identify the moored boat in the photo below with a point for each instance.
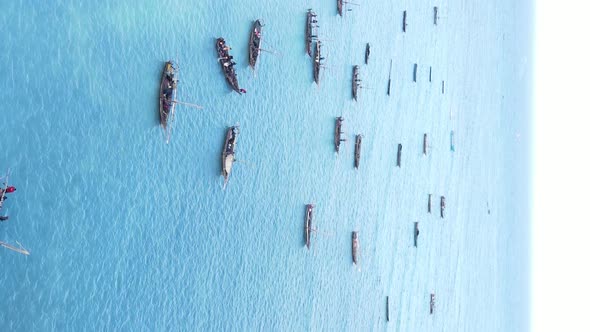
(399, 155)
(309, 36)
(254, 44)
(355, 81)
(367, 53)
(228, 154)
(415, 71)
(416, 233)
(404, 24)
(355, 247)
(338, 133)
(168, 86)
(357, 150)
(429, 203)
(317, 62)
(425, 144)
(308, 221)
(387, 308)
(442, 206)
(435, 15)
(432, 303)
(452, 140)
(227, 65)
(389, 82)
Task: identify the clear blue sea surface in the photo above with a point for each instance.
(128, 233)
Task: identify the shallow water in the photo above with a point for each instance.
(128, 233)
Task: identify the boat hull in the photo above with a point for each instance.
(228, 154)
(168, 87)
(355, 247)
(254, 44)
(229, 72)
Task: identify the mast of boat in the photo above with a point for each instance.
(20, 250)
(199, 107)
(389, 83)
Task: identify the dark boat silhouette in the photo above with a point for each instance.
(357, 150)
(254, 43)
(367, 53)
(435, 15)
(432, 303)
(168, 86)
(425, 144)
(442, 206)
(415, 71)
(399, 155)
(355, 247)
(404, 24)
(389, 82)
(308, 221)
(387, 308)
(416, 233)
(429, 203)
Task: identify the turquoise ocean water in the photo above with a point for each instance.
(128, 233)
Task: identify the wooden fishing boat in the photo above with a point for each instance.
(367, 53)
(355, 247)
(317, 62)
(338, 133)
(309, 36)
(168, 87)
(254, 44)
(425, 144)
(308, 221)
(227, 65)
(357, 150)
(452, 140)
(416, 233)
(355, 81)
(429, 203)
(399, 155)
(228, 154)
(442, 206)
(430, 74)
(415, 71)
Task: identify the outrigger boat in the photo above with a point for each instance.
(20, 250)
(442, 206)
(416, 233)
(432, 303)
(168, 87)
(425, 144)
(254, 44)
(317, 62)
(355, 81)
(399, 155)
(308, 220)
(227, 156)
(357, 150)
(309, 36)
(389, 82)
(429, 203)
(415, 71)
(404, 24)
(367, 53)
(355, 247)
(227, 66)
(338, 134)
